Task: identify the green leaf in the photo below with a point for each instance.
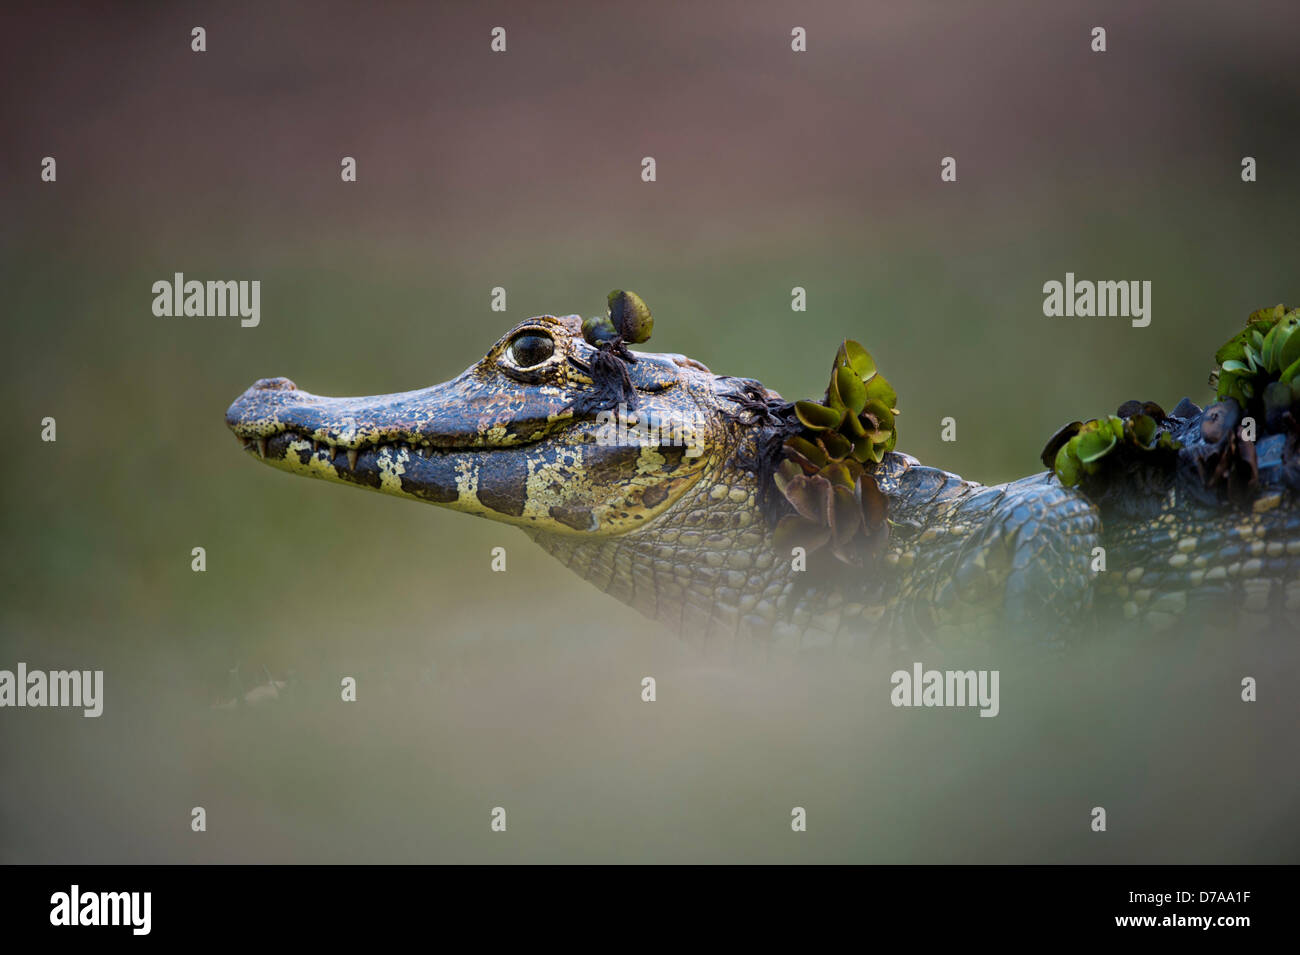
(1143, 428)
(851, 389)
(856, 357)
(785, 473)
(630, 316)
(837, 446)
(1266, 350)
(1092, 446)
(1057, 441)
(814, 455)
(1291, 373)
(1265, 316)
(880, 411)
(878, 389)
(1288, 342)
(867, 449)
(1232, 350)
(855, 429)
(598, 329)
(1228, 383)
(817, 417)
(1066, 467)
(833, 399)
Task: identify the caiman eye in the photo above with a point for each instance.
(531, 348)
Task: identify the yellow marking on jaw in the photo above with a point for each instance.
(467, 487)
(317, 465)
(391, 468)
(545, 485)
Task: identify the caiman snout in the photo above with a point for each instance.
(273, 384)
(249, 404)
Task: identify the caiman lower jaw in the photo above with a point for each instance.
(277, 446)
(450, 476)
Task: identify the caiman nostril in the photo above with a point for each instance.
(274, 384)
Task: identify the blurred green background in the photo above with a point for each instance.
(521, 170)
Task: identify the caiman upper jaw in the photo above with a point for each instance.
(444, 417)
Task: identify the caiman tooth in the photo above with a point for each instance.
(352, 459)
(315, 446)
(261, 447)
(426, 452)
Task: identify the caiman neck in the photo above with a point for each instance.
(956, 559)
(706, 567)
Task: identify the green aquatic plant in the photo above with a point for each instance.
(1259, 367)
(824, 472)
(627, 319)
(1083, 449)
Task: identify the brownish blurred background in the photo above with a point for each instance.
(522, 169)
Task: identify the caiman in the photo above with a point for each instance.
(667, 486)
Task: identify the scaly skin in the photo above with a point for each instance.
(677, 528)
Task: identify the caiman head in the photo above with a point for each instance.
(533, 434)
